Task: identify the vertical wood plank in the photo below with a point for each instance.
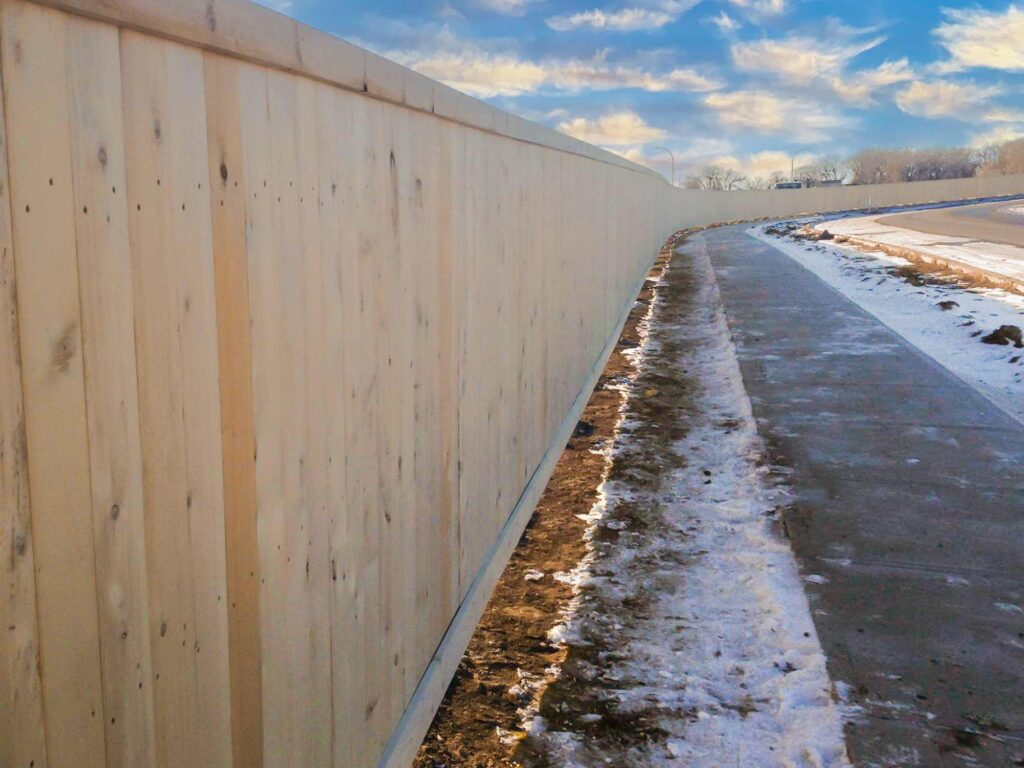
(105, 280)
(313, 543)
(228, 205)
(176, 346)
(22, 730)
(34, 50)
(333, 139)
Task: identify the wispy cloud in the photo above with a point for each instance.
(1004, 115)
(996, 136)
(617, 129)
(758, 165)
(797, 59)
(979, 38)
(859, 88)
(628, 19)
(945, 99)
(803, 61)
(725, 22)
(477, 69)
(506, 7)
(764, 112)
(763, 7)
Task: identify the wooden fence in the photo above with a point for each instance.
(291, 339)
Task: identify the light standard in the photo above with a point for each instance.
(666, 149)
(792, 161)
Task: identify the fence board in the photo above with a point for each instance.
(22, 732)
(287, 366)
(108, 331)
(37, 103)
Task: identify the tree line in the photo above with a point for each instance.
(878, 166)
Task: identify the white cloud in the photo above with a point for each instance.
(617, 129)
(1003, 115)
(860, 87)
(763, 7)
(624, 19)
(763, 112)
(798, 60)
(469, 67)
(975, 37)
(945, 99)
(1000, 135)
(725, 22)
(506, 7)
(760, 165)
(477, 73)
(803, 61)
(697, 151)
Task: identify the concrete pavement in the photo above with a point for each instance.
(907, 519)
(991, 222)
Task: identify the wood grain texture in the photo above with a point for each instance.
(228, 212)
(37, 111)
(108, 339)
(22, 729)
(176, 344)
(285, 365)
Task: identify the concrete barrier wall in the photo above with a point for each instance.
(291, 340)
(697, 208)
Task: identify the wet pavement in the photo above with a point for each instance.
(999, 222)
(907, 516)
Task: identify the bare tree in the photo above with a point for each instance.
(830, 169)
(716, 178)
(880, 166)
(1002, 160)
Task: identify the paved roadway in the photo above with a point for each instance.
(908, 513)
(991, 222)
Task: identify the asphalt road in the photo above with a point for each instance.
(991, 222)
(907, 518)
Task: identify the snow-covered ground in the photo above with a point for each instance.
(722, 664)
(951, 336)
(991, 258)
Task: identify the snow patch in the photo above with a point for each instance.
(998, 258)
(728, 653)
(951, 338)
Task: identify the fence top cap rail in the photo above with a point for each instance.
(255, 33)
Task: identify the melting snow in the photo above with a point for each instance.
(951, 337)
(993, 258)
(728, 654)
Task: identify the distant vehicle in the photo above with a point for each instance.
(790, 185)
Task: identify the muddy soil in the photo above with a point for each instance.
(477, 725)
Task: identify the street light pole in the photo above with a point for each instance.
(666, 149)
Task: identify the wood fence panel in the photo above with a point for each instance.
(37, 110)
(292, 340)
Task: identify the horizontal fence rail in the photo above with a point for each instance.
(291, 340)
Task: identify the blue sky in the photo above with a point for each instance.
(743, 83)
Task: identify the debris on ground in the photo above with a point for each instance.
(690, 639)
(1005, 335)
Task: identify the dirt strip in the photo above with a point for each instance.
(477, 724)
